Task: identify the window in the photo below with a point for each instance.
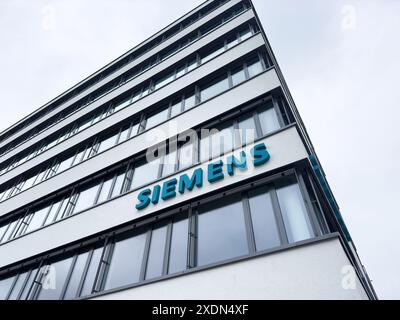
(179, 241)
(57, 274)
(53, 212)
(254, 67)
(169, 163)
(263, 219)
(222, 141)
(216, 51)
(245, 34)
(190, 101)
(76, 276)
(238, 76)
(107, 143)
(164, 80)
(216, 87)
(65, 164)
(10, 231)
(118, 185)
(156, 252)
(268, 119)
(176, 108)
(27, 292)
(145, 173)
(221, 231)
(28, 183)
(91, 272)
(18, 286)
(247, 129)
(124, 135)
(187, 155)
(126, 261)
(156, 118)
(86, 199)
(105, 190)
(294, 213)
(37, 219)
(122, 104)
(5, 286)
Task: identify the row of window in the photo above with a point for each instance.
(206, 232)
(222, 139)
(129, 75)
(250, 68)
(198, 58)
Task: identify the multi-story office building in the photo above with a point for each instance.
(116, 190)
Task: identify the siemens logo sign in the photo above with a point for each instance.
(169, 188)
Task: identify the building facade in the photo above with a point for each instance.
(181, 170)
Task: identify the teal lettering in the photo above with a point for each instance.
(168, 189)
(260, 154)
(156, 194)
(215, 171)
(189, 183)
(144, 199)
(233, 162)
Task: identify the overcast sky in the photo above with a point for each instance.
(340, 60)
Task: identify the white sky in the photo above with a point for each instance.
(340, 60)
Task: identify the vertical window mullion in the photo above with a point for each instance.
(278, 113)
(68, 277)
(192, 234)
(310, 210)
(258, 124)
(145, 255)
(167, 249)
(251, 242)
(278, 216)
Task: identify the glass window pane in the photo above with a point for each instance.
(27, 291)
(54, 279)
(247, 129)
(176, 108)
(145, 173)
(244, 34)
(222, 141)
(76, 276)
(105, 190)
(5, 286)
(164, 80)
(294, 213)
(192, 64)
(37, 220)
(134, 130)
(86, 198)
(221, 231)
(238, 76)
(65, 164)
(9, 231)
(126, 261)
(119, 183)
(178, 251)
(107, 143)
(157, 118)
(269, 119)
(53, 211)
(18, 286)
(78, 157)
(186, 156)
(124, 134)
(190, 101)
(216, 51)
(91, 272)
(265, 228)
(3, 229)
(122, 104)
(156, 252)
(218, 86)
(180, 72)
(169, 163)
(28, 183)
(254, 67)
